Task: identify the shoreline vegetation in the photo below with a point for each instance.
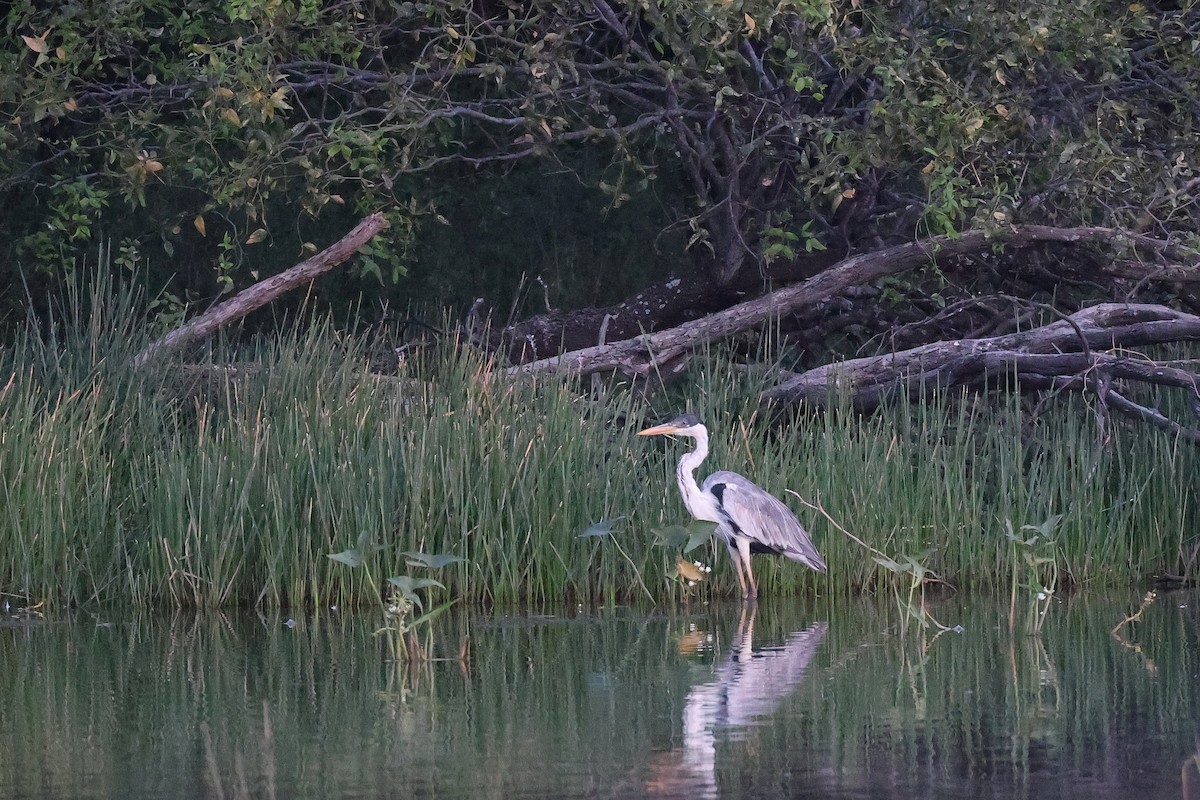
(230, 479)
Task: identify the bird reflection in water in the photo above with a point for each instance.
(748, 685)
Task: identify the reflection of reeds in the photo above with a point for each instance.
(1190, 764)
(222, 484)
(556, 705)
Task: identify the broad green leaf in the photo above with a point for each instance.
(407, 583)
(408, 586)
(356, 556)
(604, 527)
(351, 557)
(699, 533)
(672, 536)
(431, 560)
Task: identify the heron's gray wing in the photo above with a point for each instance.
(762, 518)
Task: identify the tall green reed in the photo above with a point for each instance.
(228, 479)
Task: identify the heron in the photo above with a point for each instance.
(749, 519)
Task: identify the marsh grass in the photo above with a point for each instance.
(229, 479)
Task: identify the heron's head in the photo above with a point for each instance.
(683, 425)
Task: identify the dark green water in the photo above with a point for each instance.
(828, 700)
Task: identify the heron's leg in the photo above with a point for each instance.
(736, 558)
(744, 550)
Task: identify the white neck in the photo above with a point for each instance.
(698, 503)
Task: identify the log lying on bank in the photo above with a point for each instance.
(1064, 355)
(1056, 357)
(644, 354)
(1061, 350)
(263, 292)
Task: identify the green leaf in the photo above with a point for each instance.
(888, 564)
(408, 586)
(672, 536)
(688, 538)
(432, 614)
(604, 527)
(357, 556)
(699, 532)
(407, 583)
(431, 560)
(351, 557)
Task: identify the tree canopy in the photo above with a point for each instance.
(213, 143)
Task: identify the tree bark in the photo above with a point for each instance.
(664, 305)
(263, 292)
(1061, 350)
(638, 355)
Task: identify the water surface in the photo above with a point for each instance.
(794, 699)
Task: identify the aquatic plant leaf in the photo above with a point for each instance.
(699, 533)
(672, 536)
(604, 527)
(408, 586)
(351, 557)
(431, 560)
(357, 556)
(407, 583)
(432, 614)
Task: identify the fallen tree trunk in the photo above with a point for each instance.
(1061, 349)
(263, 292)
(640, 355)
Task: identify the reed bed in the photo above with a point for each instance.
(229, 479)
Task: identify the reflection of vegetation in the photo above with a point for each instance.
(980, 713)
(1190, 765)
(911, 576)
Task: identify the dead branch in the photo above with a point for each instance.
(1061, 348)
(642, 354)
(263, 292)
(1055, 357)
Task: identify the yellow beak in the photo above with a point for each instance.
(659, 430)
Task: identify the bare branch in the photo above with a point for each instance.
(265, 291)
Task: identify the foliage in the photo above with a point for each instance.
(229, 481)
(401, 598)
(197, 135)
(1033, 548)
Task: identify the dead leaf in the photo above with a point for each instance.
(750, 24)
(257, 236)
(37, 43)
(231, 116)
(200, 226)
(688, 570)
